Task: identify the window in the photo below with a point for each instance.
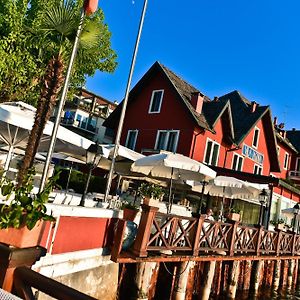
(298, 164)
(167, 140)
(257, 169)
(212, 153)
(131, 139)
(237, 162)
(255, 137)
(155, 103)
(286, 161)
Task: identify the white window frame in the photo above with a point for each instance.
(286, 161)
(128, 135)
(258, 134)
(258, 167)
(167, 138)
(239, 157)
(152, 97)
(297, 166)
(210, 157)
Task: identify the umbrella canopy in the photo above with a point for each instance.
(16, 121)
(228, 187)
(173, 166)
(124, 159)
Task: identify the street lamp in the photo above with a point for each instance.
(296, 211)
(263, 200)
(93, 157)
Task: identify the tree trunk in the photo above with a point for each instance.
(51, 86)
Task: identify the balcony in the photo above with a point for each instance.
(294, 175)
(79, 124)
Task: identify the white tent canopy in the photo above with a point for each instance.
(16, 121)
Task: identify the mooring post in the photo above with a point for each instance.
(276, 276)
(247, 275)
(256, 273)
(233, 279)
(209, 271)
(290, 273)
(144, 272)
(182, 279)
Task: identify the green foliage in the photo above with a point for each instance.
(278, 221)
(129, 206)
(34, 31)
(235, 210)
(150, 190)
(78, 180)
(25, 208)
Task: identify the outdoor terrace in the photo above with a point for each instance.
(190, 238)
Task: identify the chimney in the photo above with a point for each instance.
(197, 101)
(294, 129)
(253, 106)
(216, 99)
(275, 121)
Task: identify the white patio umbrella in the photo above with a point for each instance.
(226, 187)
(16, 120)
(173, 166)
(229, 187)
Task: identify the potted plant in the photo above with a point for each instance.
(234, 214)
(23, 213)
(151, 193)
(279, 224)
(129, 211)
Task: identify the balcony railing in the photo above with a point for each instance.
(193, 236)
(294, 174)
(79, 124)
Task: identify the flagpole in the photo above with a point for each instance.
(124, 105)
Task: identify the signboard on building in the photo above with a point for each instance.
(253, 154)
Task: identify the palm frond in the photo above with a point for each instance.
(91, 35)
(63, 18)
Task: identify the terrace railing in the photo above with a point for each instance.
(198, 236)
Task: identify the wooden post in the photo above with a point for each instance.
(232, 238)
(144, 230)
(209, 271)
(290, 273)
(233, 279)
(197, 234)
(295, 276)
(258, 240)
(191, 281)
(144, 273)
(255, 276)
(247, 275)
(11, 258)
(181, 282)
(276, 276)
(284, 273)
(118, 240)
(217, 279)
(279, 235)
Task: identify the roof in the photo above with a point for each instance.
(210, 113)
(294, 137)
(286, 141)
(243, 118)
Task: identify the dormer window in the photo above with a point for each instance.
(255, 137)
(156, 100)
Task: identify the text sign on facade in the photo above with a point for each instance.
(253, 154)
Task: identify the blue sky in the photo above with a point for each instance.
(216, 45)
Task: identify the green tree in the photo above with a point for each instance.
(37, 38)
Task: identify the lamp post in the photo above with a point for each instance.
(262, 199)
(296, 211)
(93, 157)
(204, 183)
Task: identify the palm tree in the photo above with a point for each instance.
(59, 25)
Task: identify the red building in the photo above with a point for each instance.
(229, 132)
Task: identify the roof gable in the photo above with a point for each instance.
(294, 137)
